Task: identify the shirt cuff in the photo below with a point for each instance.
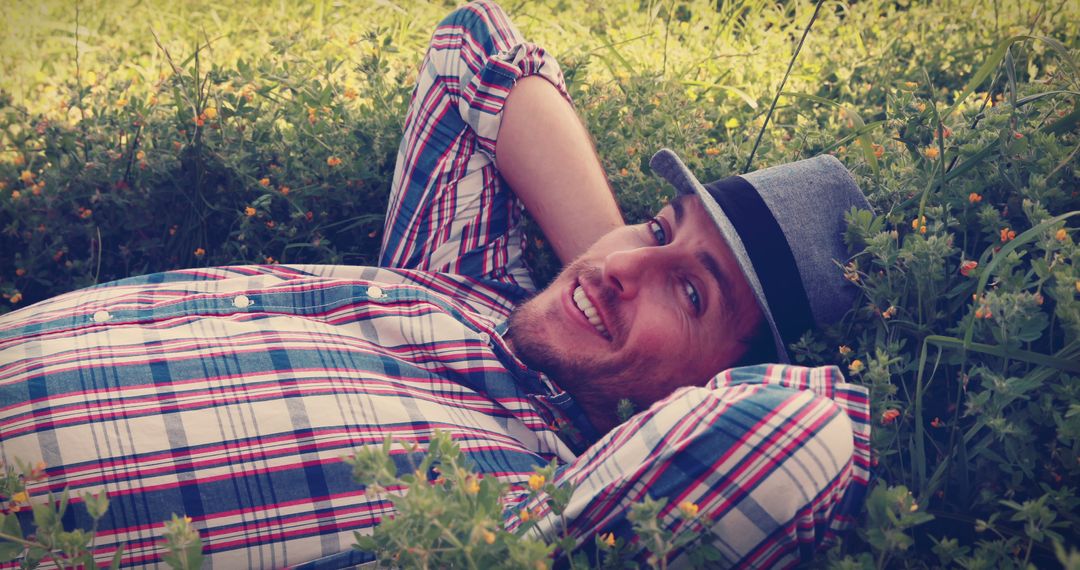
(482, 101)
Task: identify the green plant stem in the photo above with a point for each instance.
(17, 540)
(779, 90)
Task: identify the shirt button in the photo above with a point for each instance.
(241, 302)
(375, 292)
(101, 316)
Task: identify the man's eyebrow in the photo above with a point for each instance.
(722, 281)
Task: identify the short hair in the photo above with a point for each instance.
(761, 348)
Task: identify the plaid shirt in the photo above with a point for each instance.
(230, 394)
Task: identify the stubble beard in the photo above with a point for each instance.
(596, 381)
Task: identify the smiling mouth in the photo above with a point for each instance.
(583, 304)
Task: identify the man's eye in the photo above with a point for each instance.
(658, 231)
(692, 295)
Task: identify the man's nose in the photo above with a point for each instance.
(627, 270)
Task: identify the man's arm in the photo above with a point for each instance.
(546, 156)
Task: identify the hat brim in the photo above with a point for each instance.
(666, 163)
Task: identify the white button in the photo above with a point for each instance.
(375, 292)
(101, 316)
(241, 302)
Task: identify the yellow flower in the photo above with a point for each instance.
(524, 516)
(121, 102)
(249, 211)
(731, 123)
(489, 537)
(21, 496)
(350, 94)
(472, 486)
(932, 152)
(140, 155)
(18, 296)
(608, 539)
(211, 113)
(1078, 286)
(199, 252)
(688, 509)
(1061, 234)
(536, 482)
(910, 84)
(856, 366)
(264, 182)
(921, 107)
(26, 176)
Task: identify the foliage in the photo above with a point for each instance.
(51, 543)
(259, 135)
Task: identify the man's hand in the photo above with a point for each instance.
(546, 156)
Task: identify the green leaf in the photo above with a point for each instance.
(9, 525)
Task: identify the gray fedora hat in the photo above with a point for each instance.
(785, 225)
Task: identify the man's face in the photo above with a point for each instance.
(647, 309)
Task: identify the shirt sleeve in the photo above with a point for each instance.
(449, 209)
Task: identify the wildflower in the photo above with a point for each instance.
(889, 416)
(309, 215)
(18, 297)
(1078, 286)
(921, 107)
(889, 313)
(937, 423)
(1007, 235)
(608, 539)
(350, 93)
(1061, 235)
(199, 252)
(1038, 299)
(524, 516)
(916, 222)
(15, 195)
(946, 132)
(121, 102)
(284, 190)
(264, 182)
(631, 151)
(914, 507)
(879, 151)
(20, 497)
(36, 189)
(731, 123)
(211, 113)
(20, 272)
(489, 537)
(967, 267)
(140, 155)
(931, 152)
(333, 161)
(910, 84)
(270, 224)
(688, 509)
(845, 350)
(249, 211)
(472, 486)
(712, 151)
(856, 366)
(270, 261)
(536, 481)
(19, 160)
(623, 172)
(85, 213)
(153, 100)
(983, 313)
(974, 198)
(1018, 136)
(26, 176)
(199, 120)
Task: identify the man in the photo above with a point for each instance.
(230, 394)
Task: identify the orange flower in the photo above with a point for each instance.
(20, 272)
(937, 423)
(856, 366)
(983, 313)
(85, 213)
(210, 113)
(350, 93)
(1061, 235)
(845, 350)
(712, 151)
(889, 416)
(489, 537)
(284, 190)
(26, 176)
(932, 152)
(879, 151)
(688, 509)
(536, 482)
(608, 539)
(333, 161)
(1007, 235)
(16, 298)
(199, 252)
(967, 267)
(890, 312)
(264, 182)
(974, 198)
(1018, 136)
(249, 211)
(524, 516)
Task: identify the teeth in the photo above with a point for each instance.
(586, 307)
